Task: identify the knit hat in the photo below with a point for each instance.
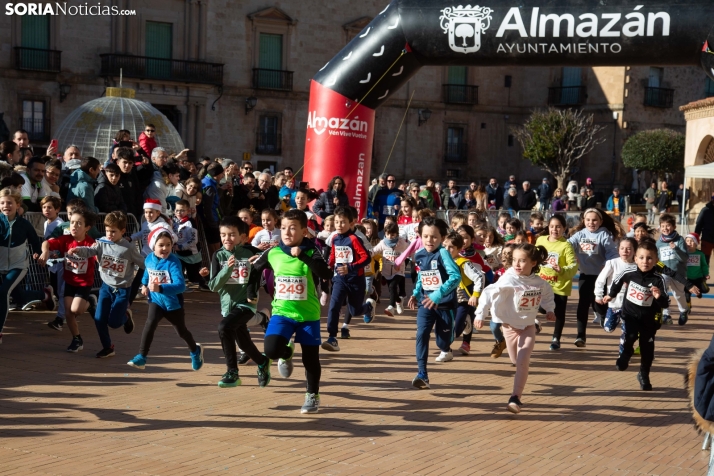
(153, 204)
(695, 237)
(158, 230)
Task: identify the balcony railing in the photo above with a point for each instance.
(460, 94)
(38, 130)
(659, 97)
(35, 59)
(143, 67)
(272, 79)
(567, 96)
(456, 152)
(268, 143)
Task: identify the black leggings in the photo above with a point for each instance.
(135, 285)
(191, 270)
(645, 331)
(175, 317)
(396, 289)
(561, 303)
(586, 290)
(233, 327)
(276, 347)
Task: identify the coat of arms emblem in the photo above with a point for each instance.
(464, 26)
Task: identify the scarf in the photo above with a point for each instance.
(305, 245)
(391, 243)
(510, 237)
(674, 236)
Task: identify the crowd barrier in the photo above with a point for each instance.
(572, 218)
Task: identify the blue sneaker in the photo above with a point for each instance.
(331, 345)
(197, 358)
(612, 320)
(369, 317)
(138, 362)
(421, 381)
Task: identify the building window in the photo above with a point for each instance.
(510, 140)
(270, 73)
(266, 165)
(655, 78)
(655, 94)
(268, 137)
(35, 41)
(159, 47)
(172, 113)
(709, 88)
(455, 144)
(571, 83)
(452, 173)
(33, 120)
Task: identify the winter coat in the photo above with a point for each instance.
(324, 206)
(147, 143)
(705, 223)
(81, 186)
(108, 197)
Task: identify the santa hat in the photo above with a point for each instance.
(153, 204)
(695, 237)
(158, 230)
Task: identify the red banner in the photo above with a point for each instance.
(339, 142)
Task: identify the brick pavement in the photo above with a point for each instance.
(73, 414)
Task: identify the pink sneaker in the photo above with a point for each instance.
(465, 348)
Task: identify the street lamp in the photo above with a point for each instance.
(424, 115)
(250, 103)
(64, 90)
(615, 116)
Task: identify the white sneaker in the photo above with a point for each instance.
(445, 357)
(596, 320)
(390, 311)
(323, 299)
(400, 309)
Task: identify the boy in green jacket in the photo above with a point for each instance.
(236, 282)
(697, 267)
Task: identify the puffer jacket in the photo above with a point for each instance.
(14, 237)
(81, 185)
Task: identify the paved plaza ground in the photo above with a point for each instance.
(73, 414)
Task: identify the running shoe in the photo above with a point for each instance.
(637, 350)
(323, 299)
(286, 366)
(421, 381)
(92, 300)
(138, 362)
(197, 358)
(369, 317)
(555, 344)
(445, 357)
(50, 299)
(596, 320)
(57, 324)
(644, 381)
(400, 309)
(514, 405)
(468, 326)
(667, 319)
(104, 353)
(538, 326)
(76, 345)
(312, 403)
(331, 344)
(390, 311)
(579, 342)
(622, 363)
(345, 333)
(243, 358)
(465, 348)
(31, 304)
(229, 379)
(264, 372)
(498, 349)
(683, 318)
(129, 323)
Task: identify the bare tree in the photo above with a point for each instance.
(556, 139)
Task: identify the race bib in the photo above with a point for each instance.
(403, 231)
(430, 279)
(76, 265)
(241, 271)
(693, 261)
(66, 231)
(666, 254)
(639, 295)
(411, 234)
(273, 242)
(552, 260)
(159, 276)
(368, 268)
(343, 255)
(588, 246)
(493, 262)
(390, 254)
(528, 301)
(291, 288)
(113, 266)
(388, 210)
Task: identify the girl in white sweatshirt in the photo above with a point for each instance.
(514, 301)
(612, 269)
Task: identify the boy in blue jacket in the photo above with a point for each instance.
(163, 284)
(672, 251)
(434, 293)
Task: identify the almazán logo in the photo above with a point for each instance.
(466, 23)
(349, 127)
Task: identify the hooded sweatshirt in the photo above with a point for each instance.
(514, 299)
(118, 261)
(108, 197)
(187, 240)
(438, 278)
(593, 249)
(675, 258)
(168, 273)
(14, 237)
(81, 185)
(236, 284)
(143, 235)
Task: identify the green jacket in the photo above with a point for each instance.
(697, 266)
(236, 284)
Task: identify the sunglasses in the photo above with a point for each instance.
(248, 168)
(392, 181)
(150, 130)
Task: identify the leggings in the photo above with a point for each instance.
(645, 331)
(586, 289)
(191, 270)
(9, 282)
(520, 343)
(276, 347)
(396, 289)
(234, 327)
(135, 285)
(698, 282)
(175, 317)
(560, 305)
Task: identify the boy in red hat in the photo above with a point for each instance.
(697, 267)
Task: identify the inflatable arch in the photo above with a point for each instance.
(409, 34)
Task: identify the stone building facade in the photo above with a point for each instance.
(234, 77)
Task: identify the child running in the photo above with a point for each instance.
(163, 284)
(514, 301)
(153, 218)
(186, 247)
(117, 260)
(298, 267)
(558, 271)
(614, 268)
(389, 249)
(697, 267)
(434, 294)
(269, 236)
(645, 298)
(50, 210)
(673, 254)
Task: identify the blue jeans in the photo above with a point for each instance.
(443, 319)
(463, 312)
(496, 331)
(12, 283)
(111, 311)
(353, 291)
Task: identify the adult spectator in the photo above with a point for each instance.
(244, 193)
(427, 193)
(527, 198)
(188, 191)
(388, 200)
(495, 193)
(455, 198)
(187, 168)
(560, 201)
(510, 203)
(664, 198)
(511, 182)
(246, 167)
(468, 203)
(616, 204)
(50, 182)
(107, 195)
(481, 198)
(147, 139)
(590, 200)
(446, 193)
(287, 192)
(589, 184)
(682, 197)
(334, 197)
(268, 193)
(545, 193)
(129, 185)
(420, 201)
(438, 203)
(156, 186)
(210, 206)
(573, 193)
(21, 138)
(473, 186)
(289, 174)
(381, 185)
(10, 152)
(83, 182)
(650, 196)
(32, 190)
(705, 228)
(26, 155)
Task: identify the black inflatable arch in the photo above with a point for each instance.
(409, 34)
